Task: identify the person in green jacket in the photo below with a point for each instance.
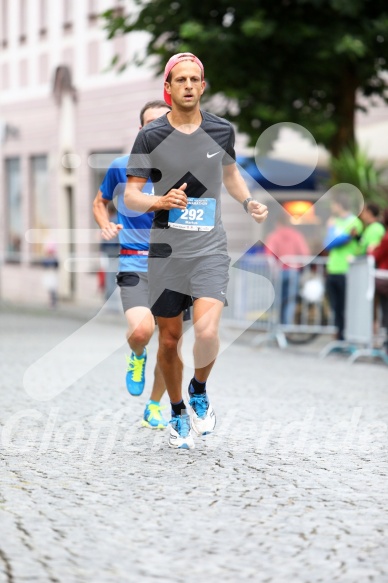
(373, 230)
(370, 238)
(341, 244)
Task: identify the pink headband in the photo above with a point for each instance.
(175, 59)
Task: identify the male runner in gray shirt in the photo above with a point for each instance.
(188, 153)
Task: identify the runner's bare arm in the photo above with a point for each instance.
(237, 188)
(136, 200)
(109, 230)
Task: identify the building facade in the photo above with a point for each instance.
(60, 110)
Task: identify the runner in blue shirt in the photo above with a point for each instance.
(133, 230)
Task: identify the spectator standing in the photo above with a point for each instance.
(341, 244)
(50, 276)
(285, 240)
(370, 237)
(373, 230)
(380, 253)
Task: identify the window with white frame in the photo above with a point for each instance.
(23, 21)
(13, 189)
(67, 15)
(93, 9)
(43, 17)
(41, 213)
(4, 23)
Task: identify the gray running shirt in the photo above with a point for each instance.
(170, 158)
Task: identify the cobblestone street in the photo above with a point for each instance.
(291, 487)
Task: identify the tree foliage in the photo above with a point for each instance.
(301, 61)
(353, 166)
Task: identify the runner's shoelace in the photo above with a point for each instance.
(135, 366)
(181, 425)
(155, 412)
(200, 404)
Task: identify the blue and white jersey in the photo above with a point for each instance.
(135, 233)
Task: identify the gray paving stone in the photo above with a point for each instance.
(291, 487)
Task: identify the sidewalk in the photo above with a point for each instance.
(291, 487)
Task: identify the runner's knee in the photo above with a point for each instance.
(141, 334)
(169, 341)
(207, 334)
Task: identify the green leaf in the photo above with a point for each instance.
(351, 46)
(190, 30)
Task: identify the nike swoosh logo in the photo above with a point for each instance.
(211, 155)
(223, 293)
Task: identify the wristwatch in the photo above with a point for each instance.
(246, 202)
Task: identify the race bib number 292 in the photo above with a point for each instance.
(199, 215)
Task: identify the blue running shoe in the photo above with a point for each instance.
(180, 433)
(135, 378)
(153, 417)
(202, 415)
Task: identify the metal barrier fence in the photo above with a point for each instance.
(290, 304)
(287, 304)
(359, 312)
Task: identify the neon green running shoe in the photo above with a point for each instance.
(153, 417)
(135, 378)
